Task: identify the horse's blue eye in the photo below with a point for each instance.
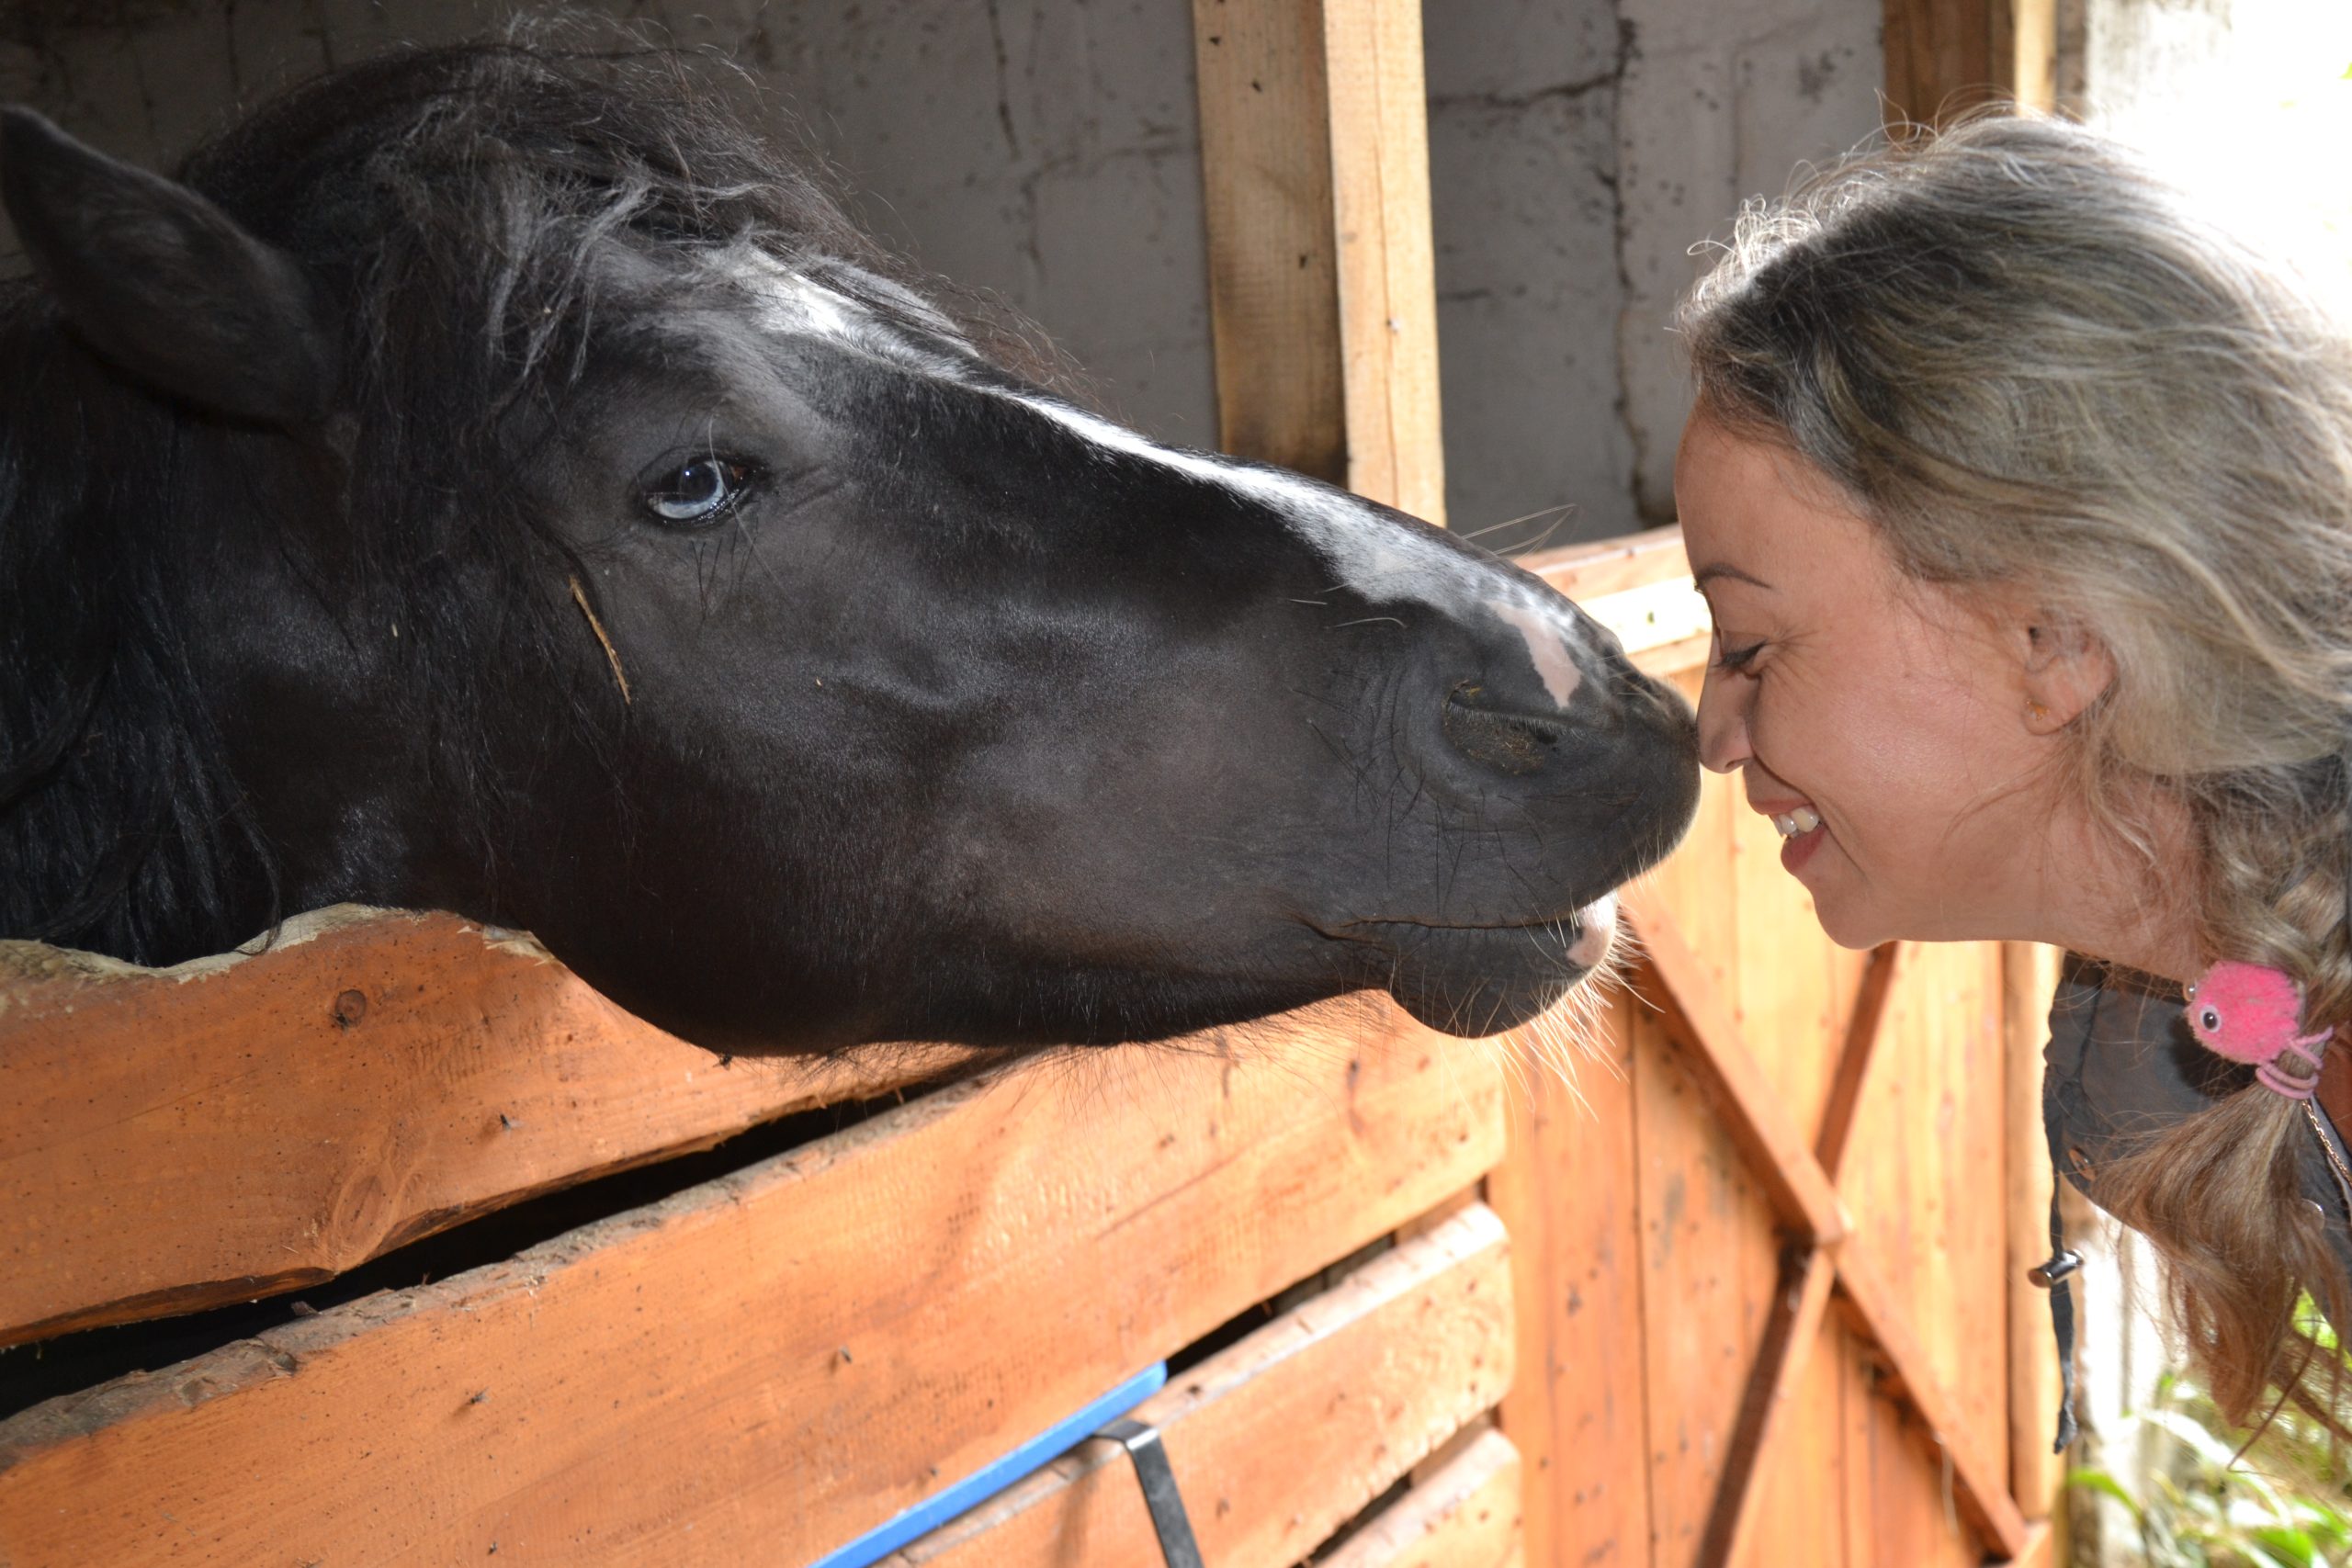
(699, 491)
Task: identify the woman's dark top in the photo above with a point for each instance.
(2121, 1063)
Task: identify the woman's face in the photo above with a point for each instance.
(1883, 725)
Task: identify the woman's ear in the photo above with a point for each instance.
(163, 284)
(2066, 670)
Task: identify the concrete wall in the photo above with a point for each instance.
(1047, 150)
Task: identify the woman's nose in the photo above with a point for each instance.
(1722, 720)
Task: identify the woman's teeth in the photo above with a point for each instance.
(1802, 820)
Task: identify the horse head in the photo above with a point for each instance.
(488, 479)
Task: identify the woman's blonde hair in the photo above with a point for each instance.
(2032, 362)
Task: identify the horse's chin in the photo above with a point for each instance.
(1474, 981)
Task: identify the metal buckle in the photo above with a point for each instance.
(2058, 1265)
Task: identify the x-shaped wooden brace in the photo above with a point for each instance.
(1826, 1256)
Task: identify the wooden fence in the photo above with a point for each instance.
(1741, 1292)
(1750, 1266)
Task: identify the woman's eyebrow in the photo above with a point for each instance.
(1706, 574)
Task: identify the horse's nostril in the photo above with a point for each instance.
(1507, 742)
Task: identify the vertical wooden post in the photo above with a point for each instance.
(1322, 292)
(1945, 56)
(2028, 976)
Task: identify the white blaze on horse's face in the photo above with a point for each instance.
(1372, 554)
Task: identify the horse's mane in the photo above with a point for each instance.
(450, 200)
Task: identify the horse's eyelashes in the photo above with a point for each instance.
(699, 491)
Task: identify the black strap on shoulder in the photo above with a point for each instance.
(2052, 1273)
(2052, 1276)
(1158, 1478)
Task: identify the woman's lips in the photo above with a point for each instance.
(1799, 848)
(1801, 833)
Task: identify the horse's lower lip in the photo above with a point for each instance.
(1478, 979)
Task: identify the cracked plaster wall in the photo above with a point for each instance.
(1578, 152)
(1048, 150)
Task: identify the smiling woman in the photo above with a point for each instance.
(2022, 495)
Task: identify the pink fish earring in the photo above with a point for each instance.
(2251, 1013)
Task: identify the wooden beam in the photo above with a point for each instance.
(1614, 566)
(1281, 1438)
(1946, 57)
(1674, 981)
(1322, 290)
(1863, 1024)
(1569, 1193)
(2029, 981)
(1274, 253)
(1380, 182)
(2025, 41)
(370, 1078)
(1793, 1329)
(1980, 1489)
(1466, 1515)
(765, 1367)
(1791, 1332)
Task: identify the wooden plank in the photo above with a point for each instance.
(1783, 987)
(1674, 659)
(2040, 1548)
(1710, 1276)
(1790, 1335)
(1858, 1412)
(2028, 980)
(1794, 1330)
(1980, 1489)
(1674, 982)
(1945, 56)
(1614, 566)
(1928, 1181)
(1281, 1438)
(370, 1078)
(1568, 1191)
(2026, 36)
(1939, 59)
(1710, 1254)
(1273, 263)
(1466, 1516)
(763, 1367)
(1808, 1471)
(1322, 287)
(1863, 1023)
(1387, 276)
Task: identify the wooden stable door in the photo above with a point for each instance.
(1766, 1235)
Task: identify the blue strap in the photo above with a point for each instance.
(994, 1477)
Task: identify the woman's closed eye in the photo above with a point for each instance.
(1735, 659)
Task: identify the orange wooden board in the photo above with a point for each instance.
(1576, 1412)
(761, 1368)
(1926, 1179)
(1924, 1175)
(1612, 565)
(1280, 1439)
(170, 1139)
(1387, 280)
(1466, 1515)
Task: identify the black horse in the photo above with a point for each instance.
(489, 480)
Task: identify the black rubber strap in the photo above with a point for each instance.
(1176, 1546)
(2052, 1276)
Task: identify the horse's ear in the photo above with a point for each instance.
(163, 284)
